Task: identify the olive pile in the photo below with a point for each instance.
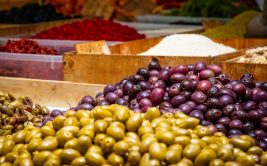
(15, 114)
(114, 135)
(234, 107)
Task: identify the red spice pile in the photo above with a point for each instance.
(91, 30)
(26, 46)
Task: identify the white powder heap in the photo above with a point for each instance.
(188, 45)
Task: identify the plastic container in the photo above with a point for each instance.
(37, 66)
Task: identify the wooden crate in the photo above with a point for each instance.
(237, 69)
(61, 94)
(27, 30)
(124, 61)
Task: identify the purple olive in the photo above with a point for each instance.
(202, 107)
(199, 66)
(134, 104)
(178, 100)
(127, 87)
(226, 100)
(56, 113)
(206, 123)
(186, 94)
(259, 95)
(143, 94)
(223, 78)
(119, 92)
(102, 102)
(263, 145)
(198, 97)
(121, 101)
(213, 80)
(191, 104)
(152, 80)
(248, 94)
(203, 86)
(134, 91)
(138, 78)
(143, 72)
(190, 67)
(260, 134)
(241, 115)
(197, 114)
(111, 97)
(234, 132)
(164, 74)
(192, 77)
(249, 105)
(177, 78)
(263, 106)
(154, 65)
(226, 91)
(158, 84)
(86, 106)
(248, 127)
(249, 82)
(214, 103)
(213, 92)
(221, 128)
(47, 119)
(264, 86)
(185, 108)
(144, 85)
(145, 103)
(165, 104)
(229, 109)
(157, 95)
(213, 114)
(88, 100)
(215, 68)
(180, 69)
(236, 124)
(225, 121)
(99, 94)
(154, 73)
(205, 74)
(109, 88)
(254, 115)
(173, 91)
(240, 88)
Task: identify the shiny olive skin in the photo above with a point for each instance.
(134, 122)
(94, 158)
(100, 126)
(216, 162)
(20, 136)
(47, 131)
(84, 143)
(107, 144)
(191, 151)
(79, 161)
(40, 158)
(205, 157)
(115, 132)
(58, 122)
(49, 143)
(121, 147)
(157, 151)
(115, 159)
(134, 158)
(63, 137)
(68, 155)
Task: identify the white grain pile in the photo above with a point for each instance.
(188, 45)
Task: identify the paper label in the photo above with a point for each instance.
(97, 47)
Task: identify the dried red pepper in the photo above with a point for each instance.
(26, 46)
(91, 30)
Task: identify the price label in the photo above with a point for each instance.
(98, 47)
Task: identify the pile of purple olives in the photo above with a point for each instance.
(203, 91)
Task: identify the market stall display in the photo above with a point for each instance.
(115, 136)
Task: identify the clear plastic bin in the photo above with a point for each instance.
(35, 66)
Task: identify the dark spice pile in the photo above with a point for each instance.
(91, 30)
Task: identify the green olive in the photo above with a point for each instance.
(34, 133)
(240, 143)
(115, 132)
(94, 158)
(154, 162)
(205, 157)
(26, 162)
(67, 155)
(63, 137)
(19, 137)
(264, 158)
(7, 147)
(71, 121)
(82, 114)
(226, 154)
(145, 160)
(87, 130)
(173, 155)
(215, 147)
(7, 127)
(152, 113)
(47, 131)
(166, 137)
(122, 114)
(84, 143)
(134, 157)
(101, 113)
(19, 148)
(181, 123)
(246, 160)
(33, 144)
(145, 130)
(49, 143)
(72, 144)
(181, 132)
(146, 143)
(79, 161)
(248, 138)
(85, 121)
(182, 140)
(115, 159)
(108, 120)
(203, 131)
(95, 149)
(192, 122)
(6, 164)
(107, 144)
(41, 157)
(134, 122)
(99, 138)
(100, 126)
(70, 113)
(187, 162)
(118, 124)
(255, 150)
(157, 151)
(231, 163)
(121, 148)
(58, 122)
(57, 152)
(11, 157)
(191, 151)
(52, 162)
(216, 162)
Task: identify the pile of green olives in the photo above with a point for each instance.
(15, 114)
(114, 135)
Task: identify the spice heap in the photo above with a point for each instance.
(188, 45)
(116, 136)
(26, 46)
(30, 13)
(91, 30)
(15, 114)
(257, 55)
(236, 28)
(234, 107)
